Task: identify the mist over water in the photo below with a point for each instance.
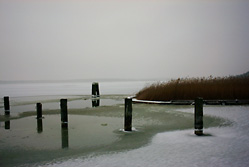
(17, 89)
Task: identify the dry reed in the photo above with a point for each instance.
(226, 88)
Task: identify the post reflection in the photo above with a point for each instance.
(39, 126)
(95, 102)
(64, 137)
(7, 125)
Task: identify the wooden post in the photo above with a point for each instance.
(64, 117)
(39, 110)
(39, 126)
(95, 89)
(199, 116)
(128, 114)
(6, 105)
(64, 137)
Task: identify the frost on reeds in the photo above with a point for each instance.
(225, 88)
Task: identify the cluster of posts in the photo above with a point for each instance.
(198, 123)
(64, 121)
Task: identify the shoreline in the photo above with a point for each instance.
(192, 102)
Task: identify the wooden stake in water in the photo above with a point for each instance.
(199, 116)
(64, 117)
(95, 89)
(128, 114)
(6, 105)
(39, 110)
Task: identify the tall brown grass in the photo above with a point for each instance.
(226, 88)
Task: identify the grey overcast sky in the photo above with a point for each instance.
(82, 39)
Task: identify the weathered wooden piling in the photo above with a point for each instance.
(199, 116)
(64, 137)
(95, 89)
(128, 114)
(64, 116)
(6, 105)
(39, 126)
(39, 110)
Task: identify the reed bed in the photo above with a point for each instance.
(222, 88)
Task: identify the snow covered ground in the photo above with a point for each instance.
(223, 146)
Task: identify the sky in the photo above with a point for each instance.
(125, 39)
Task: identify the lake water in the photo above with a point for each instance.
(162, 135)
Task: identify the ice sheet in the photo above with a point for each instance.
(222, 147)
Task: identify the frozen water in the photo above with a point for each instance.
(224, 146)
